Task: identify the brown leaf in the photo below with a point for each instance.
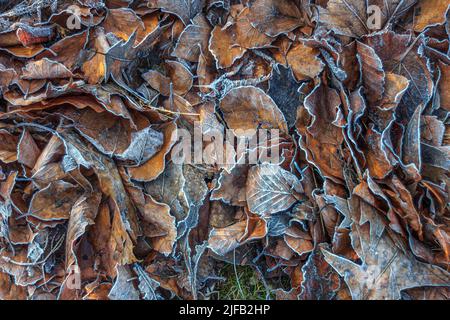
(247, 36)
(82, 214)
(399, 56)
(67, 50)
(386, 269)
(323, 136)
(28, 151)
(274, 17)
(112, 135)
(231, 186)
(346, 17)
(111, 185)
(224, 240)
(178, 80)
(55, 201)
(223, 47)
(247, 108)
(45, 69)
(95, 68)
(151, 169)
(185, 10)
(124, 22)
(320, 281)
(394, 88)
(8, 75)
(372, 71)
(444, 84)
(163, 231)
(8, 143)
(123, 288)
(9, 290)
(432, 12)
(304, 62)
(194, 39)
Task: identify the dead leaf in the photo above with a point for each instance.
(45, 69)
(431, 13)
(385, 271)
(255, 109)
(55, 201)
(185, 10)
(270, 189)
(304, 62)
(28, 151)
(274, 17)
(151, 169)
(223, 47)
(8, 143)
(194, 39)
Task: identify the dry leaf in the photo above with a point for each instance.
(270, 189)
(313, 137)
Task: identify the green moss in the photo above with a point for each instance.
(243, 284)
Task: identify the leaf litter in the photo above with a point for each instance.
(98, 97)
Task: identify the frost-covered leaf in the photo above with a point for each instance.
(271, 189)
(385, 269)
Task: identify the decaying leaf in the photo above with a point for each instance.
(185, 10)
(224, 48)
(178, 79)
(151, 169)
(194, 39)
(55, 201)
(356, 18)
(270, 189)
(385, 271)
(247, 108)
(304, 62)
(431, 13)
(224, 240)
(8, 146)
(28, 151)
(45, 69)
(275, 17)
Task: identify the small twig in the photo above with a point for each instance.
(28, 264)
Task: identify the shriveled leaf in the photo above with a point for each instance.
(28, 150)
(55, 201)
(194, 39)
(183, 9)
(8, 145)
(372, 71)
(164, 233)
(385, 271)
(151, 169)
(45, 69)
(225, 240)
(178, 80)
(123, 288)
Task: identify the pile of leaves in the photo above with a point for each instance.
(95, 93)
